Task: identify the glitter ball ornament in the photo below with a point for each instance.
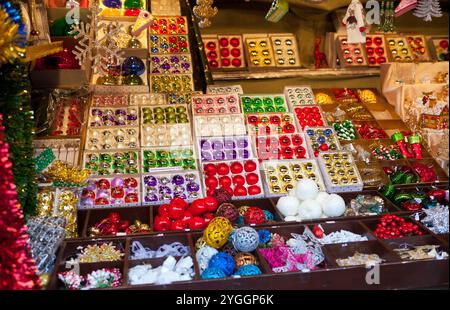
(228, 211)
(217, 232)
(254, 215)
(245, 239)
(242, 259)
(222, 261)
(248, 270)
(213, 273)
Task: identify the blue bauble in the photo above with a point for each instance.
(264, 236)
(240, 220)
(328, 132)
(213, 273)
(133, 66)
(222, 261)
(248, 270)
(310, 132)
(321, 140)
(113, 4)
(268, 215)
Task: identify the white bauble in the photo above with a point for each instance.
(290, 218)
(334, 206)
(288, 205)
(306, 189)
(309, 209)
(322, 197)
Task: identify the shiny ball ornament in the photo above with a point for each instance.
(133, 66)
(107, 80)
(213, 273)
(229, 211)
(217, 232)
(306, 189)
(242, 259)
(254, 215)
(309, 209)
(132, 80)
(248, 270)
(223, 261)
(334, 206)
(288, 205)
(113, 4)
(245, 239)
(132, 4)
(134, 43)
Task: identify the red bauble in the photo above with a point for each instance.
(117, 192)
(235, 52)
(175, 211)
(324, 147)
(250, 166)
(236, 167)
(317, 231)
(240, 191)
(254, 190)
(236, 62)
(226, 62)
(101, 201)
(88, 194)
(225, 181)
(197, 222)
(161, 223)
(234, 42)
(208, 218)
(198, 207)
(163, 210)
(187, 216)
(288, 128)
(238, 180)
(211, 203)
(223, 169)
(210, 169)
(211, 182)
(178, 225)
(103, 184)
(438, 194)
(252, 178)
(130, 182)
(225, 52)
(132, 12)
(131, 198)
(300, 152)
(229, 211)
(297, 140)
(179, 201)
(254, 215)
(223, 42)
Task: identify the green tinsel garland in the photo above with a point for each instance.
(15, 105)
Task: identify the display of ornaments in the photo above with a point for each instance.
(169, 44)
(123, 38)
(211, 45)
(285, 50)
(131, 73)
(282, 176)
(169, 25)
(345, 130)
(166, 135)
(112, 138)
(230, 51)
(174, 83)
(171, 64)
(168, 114)
(340, 172)
(263, 104)
(241, 178)
(225, 89)
(440, 46)
(341, 236)
(321, 139)
(308, 116)
(169, 157)
(399, 173)
(124, 116)
(114, 225)
(418, 47)
(360, 259)
(109, 100)
(219, 125)
(260, 52)
(290, 146)
(115, 8)
(400, 51)
(299, 95)
(351, 54)
(107, 163)
(148, 99)
(371, 131)
(269, 124)
(426, 171)
(160, 187)
(391, 226)
(224, 148)
(376, 50)
(216, 104)
(110, 191)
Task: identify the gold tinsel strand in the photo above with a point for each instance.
(9, 50)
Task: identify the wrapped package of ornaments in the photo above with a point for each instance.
(117, 191)
(259, 51)
(224, 148)
(308, 116)
(112, 162)
(224, 89)
(148, 99)
(113, 116)
(108, 100)
(162, 158)
(376, 50)
(178, 214)
(321, 139)
(219, 125)
(216, 104)
(289, 146)
(351, 55)
(345, 130)
(400, 50)
(340, 172)
(271, 123)
(116, 8)
(263, 103)
(162, 186)
(169, 44)
(173, 83)
(224, 51)
(174, 135)
(285, 50)
(114, 138)
(281, 176)
(171, 64)
(240, 178)
(299, 95)
(440, 48)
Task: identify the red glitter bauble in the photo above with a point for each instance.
(254, 215)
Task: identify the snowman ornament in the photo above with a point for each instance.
(354, 21)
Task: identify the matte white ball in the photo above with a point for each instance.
(334, 206)
(306, 189)
(322, 197)
(309, 209)
(288, 205)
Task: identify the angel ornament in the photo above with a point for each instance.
(354, 21)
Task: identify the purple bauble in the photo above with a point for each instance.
(181, 195)
(133, 66)
(131, 117)
(155, 59)
(87, 202)
(102, 194)
(165, 190)
(205, 145)
(113, 4)
(243, 154)
(178, 179)
(150, 180)
(121, 112)
(91, 186)
(242, 143)
(117, 182)
(151, 198)
(206, 156)
(97, 112)
(218, 155)
(193, 187)
(230, 154)
(217, 145)
(229, 144)
(174, 59)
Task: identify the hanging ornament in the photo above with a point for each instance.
(354, 21)
(204, 11)
(427, 9)
(404, 7)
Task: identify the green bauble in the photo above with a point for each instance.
(107, 80)
(132, 80)
(133, 4)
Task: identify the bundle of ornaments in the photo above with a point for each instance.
(305, 202)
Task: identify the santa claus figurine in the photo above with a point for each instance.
(354, 21)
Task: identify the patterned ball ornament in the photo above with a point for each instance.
(245, 239)
(223, 261)
(228, 211)
(217, 232)
(242, 259)
(213, 273)
(254, 215)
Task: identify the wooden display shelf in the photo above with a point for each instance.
(295, 73)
